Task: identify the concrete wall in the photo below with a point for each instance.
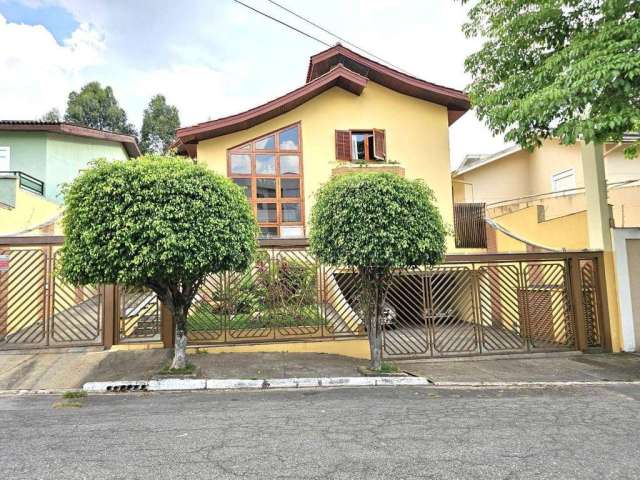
(569, 232)
(417, 136)
(619, 168)
(626, 244)
(30, 210)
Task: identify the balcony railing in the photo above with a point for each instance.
(27, 182)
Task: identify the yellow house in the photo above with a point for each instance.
(351, 114)
(539, 196)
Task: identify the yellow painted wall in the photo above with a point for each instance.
(417, 136)
(30, 210)
(504, 178)
(569, 232)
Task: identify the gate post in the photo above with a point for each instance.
(602, 302)
(110, 320)
(575, 285)
(167, 327)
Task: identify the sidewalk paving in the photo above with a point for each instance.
(70, 370)
(551, 368)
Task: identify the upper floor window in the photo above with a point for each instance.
(360, 145)
(564, 180)
(269, 169)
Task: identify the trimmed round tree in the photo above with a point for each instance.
(156, 222)
(376, 222)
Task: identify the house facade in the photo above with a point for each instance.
(352, 114)
(538, 195)
(37, 158)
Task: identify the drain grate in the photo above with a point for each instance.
(127, 387)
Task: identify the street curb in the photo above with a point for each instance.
(175, 384)
(579, 383)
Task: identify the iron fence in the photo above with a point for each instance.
(469, 305)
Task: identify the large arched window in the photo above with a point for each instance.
(269, 168)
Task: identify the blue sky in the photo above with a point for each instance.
(56, 19)
(214, 57)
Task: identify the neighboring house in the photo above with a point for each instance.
(540, 195)
(352, 114)
(37, 158)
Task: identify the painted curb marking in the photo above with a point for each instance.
(176, 384)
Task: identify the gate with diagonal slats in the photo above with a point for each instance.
(39, 310)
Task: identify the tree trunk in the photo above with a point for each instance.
(372, 300)
(180, 349)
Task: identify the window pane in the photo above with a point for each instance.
(289, 139)
(289, 164)
(290, 188)
(245, 183)
(246, 146)
(266, 143)
(290, 212)
(266, 213)
(291, 232)
(241, 164)
(266, 188)
(265, 165)
(357, 146)
(268, 232)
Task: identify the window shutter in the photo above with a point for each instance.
(343, 145)
(379, 145)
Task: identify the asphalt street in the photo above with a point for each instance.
(366, 433)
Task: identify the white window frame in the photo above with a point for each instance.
(7, 149)
(562, 175)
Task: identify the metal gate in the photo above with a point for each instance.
(506, 306)
(39, 310)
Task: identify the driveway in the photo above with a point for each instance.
(381, 433)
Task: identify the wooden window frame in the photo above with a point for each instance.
(370, 156)
(254, 176)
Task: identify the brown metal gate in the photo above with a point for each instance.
(39, 310)
(496, 304)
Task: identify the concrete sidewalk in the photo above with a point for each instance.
(69, 370)
(545, 368)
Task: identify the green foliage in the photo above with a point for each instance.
(155, 221)
(52, 115)
(159, 126)
(278, 293)
(189, 368)
(388, 367)
(556, 68)
(97, 107)
(377, 220)
(74, 394)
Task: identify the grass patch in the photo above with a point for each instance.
(75, 394)
(188, 369)
(388, 367)
(204, 317)
(67, 405)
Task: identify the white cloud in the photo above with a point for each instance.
(37, 71)
(217, 58)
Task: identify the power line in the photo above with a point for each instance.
(283, 23)
(342, 39)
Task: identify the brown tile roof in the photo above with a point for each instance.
(129, 142)
(338, 76)
(337, 66)
(456, 101)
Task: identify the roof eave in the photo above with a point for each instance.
(337, 77)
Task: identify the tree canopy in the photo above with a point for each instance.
(376, 222)
(158, 222)
(556, 68)
(97, 107)
(52, 115)
(159, 126)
